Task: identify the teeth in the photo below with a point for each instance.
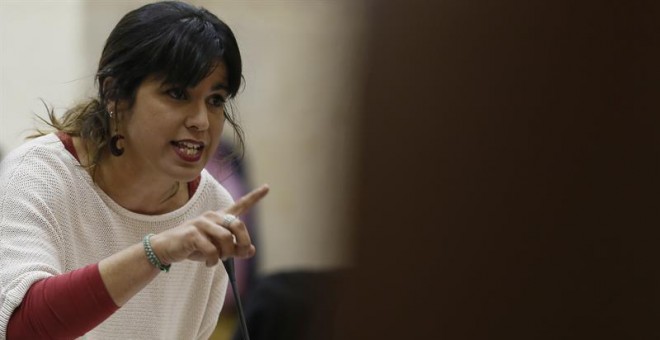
(190, 145)
(189, 151)
(189, 148)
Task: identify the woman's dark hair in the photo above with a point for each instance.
(175, 41)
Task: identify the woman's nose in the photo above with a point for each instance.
(198, 118)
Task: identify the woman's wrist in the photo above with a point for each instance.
(157, 261)
(125, 273)
(157, 244)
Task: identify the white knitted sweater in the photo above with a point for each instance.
(54, 219)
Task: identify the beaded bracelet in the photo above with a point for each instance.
(152, 256)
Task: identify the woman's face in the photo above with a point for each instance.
(172, 131)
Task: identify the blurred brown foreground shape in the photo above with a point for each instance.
(509, 170)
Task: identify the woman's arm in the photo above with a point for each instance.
(204, 238)
(64, 306)
(97, 291)
(126, 273)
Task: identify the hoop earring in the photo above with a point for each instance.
(115, 150)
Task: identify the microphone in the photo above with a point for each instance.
(229, 267)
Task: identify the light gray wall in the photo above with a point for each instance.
(40, 57)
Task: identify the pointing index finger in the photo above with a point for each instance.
(246, 202)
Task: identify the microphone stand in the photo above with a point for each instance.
(229, 267)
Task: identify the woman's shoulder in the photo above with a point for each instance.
(46, 146)
(43, 156)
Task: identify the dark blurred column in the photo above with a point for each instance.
(509, 173)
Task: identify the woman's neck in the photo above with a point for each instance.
(131, 188)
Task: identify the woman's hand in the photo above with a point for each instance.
(201, 239)
(208, 238)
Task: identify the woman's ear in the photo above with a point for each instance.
(111, 96)
(117, 107)
(108, 89)
(110, 93)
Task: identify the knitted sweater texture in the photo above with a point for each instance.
(54, 219)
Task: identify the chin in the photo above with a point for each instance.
(187, 174)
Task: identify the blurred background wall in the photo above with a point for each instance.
(526, 196)
(297, 107)
(42, 55)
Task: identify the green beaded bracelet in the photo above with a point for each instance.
(152, 256)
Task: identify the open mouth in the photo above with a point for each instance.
(188, 150)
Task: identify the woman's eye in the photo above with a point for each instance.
(176, 93)
(217, 101)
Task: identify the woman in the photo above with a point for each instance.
(92, 213)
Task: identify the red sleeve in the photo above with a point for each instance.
(62, 307)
